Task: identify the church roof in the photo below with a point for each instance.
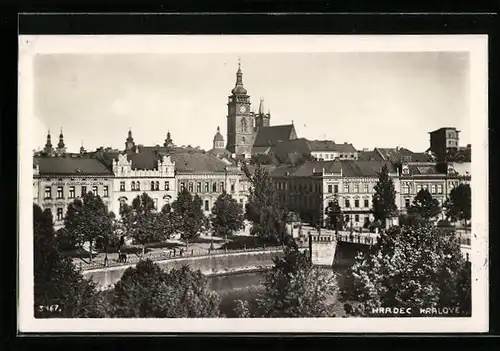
(77, 166)
(270, 136)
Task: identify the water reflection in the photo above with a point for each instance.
(246, 286)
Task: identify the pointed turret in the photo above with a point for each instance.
(61, 148)
(238, 88)
(48, 145)
(129, 144)
(262, 119)
(60, 145)
(168, 141)
(261, 106)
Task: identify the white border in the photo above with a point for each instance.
(476, 45)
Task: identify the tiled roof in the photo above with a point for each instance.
(369, 156)
(423, 169)
(219, 152)
(269, 136)
(328, 145)
(402, 155)
(186, 159)
(349, 168)
(251, 168)
(197, 162)
(283, 150)
(71, 166)
(261, 150)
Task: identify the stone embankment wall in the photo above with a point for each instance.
(208, 265)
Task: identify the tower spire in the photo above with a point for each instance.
(60, 145)
(238, 87)
(129, 143)
(168, 142)
(261, 106)
(48, 144)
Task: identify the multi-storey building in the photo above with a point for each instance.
(58, 181)
(309, 188)
(120, 176)
(59, 178)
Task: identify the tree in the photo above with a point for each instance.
(334, 219)
(459, 204)
(262, 209)
(146, 291)
(227, 215)
(88, 219)
(384, 203)
(410, 267)
(56, 280)
(293, 288)
(425, 205)
(188, 215)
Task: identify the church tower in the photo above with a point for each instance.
(240, 122)
(168, 141)
(262, 119)
(129, 144)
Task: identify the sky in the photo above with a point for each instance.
(368, 99)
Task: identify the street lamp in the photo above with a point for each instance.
(212, 218)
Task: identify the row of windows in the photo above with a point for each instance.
(206, 187)
(72, 192)
(301, 188)
(347, 188)
(347, 218)
(136, 186)
(347, 203)
(434, 188)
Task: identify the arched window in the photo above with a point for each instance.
(137, 185)
(132, 186)
(157, 187)
(152, 185)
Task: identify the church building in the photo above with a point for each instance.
(250, 133)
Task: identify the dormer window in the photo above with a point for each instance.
(406, 170)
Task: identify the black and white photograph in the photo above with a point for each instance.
(253, 183)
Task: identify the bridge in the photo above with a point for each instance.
(328, 248)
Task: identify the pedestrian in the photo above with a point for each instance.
(106, 261)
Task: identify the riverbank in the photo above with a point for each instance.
(220, 264)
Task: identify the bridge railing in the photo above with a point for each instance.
(357, 238)
(167, 255)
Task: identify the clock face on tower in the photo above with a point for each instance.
(243, 108)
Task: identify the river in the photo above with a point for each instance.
(246, 286)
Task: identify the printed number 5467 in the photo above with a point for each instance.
(49, 308)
